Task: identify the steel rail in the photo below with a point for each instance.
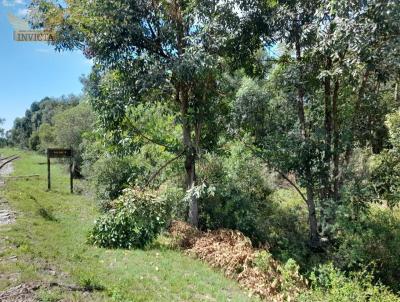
(6, 160)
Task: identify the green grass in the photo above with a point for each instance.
(49, 240)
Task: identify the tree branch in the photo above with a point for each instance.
(277, 170)
(155, 174)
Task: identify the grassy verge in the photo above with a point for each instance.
(49, 242)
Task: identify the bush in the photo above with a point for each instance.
(240, 193)
(331, 285)
(367, 220)
(372, 240)
(290, 280)
(386, 168)
(109, 176)
(136, 219)
(110, 171)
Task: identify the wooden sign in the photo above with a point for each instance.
(60, 153)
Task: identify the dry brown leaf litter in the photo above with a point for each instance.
(233, 253)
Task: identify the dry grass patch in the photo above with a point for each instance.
(232, 252)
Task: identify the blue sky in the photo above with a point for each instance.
(30, 71)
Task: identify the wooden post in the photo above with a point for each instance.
(71, 178)
(48, 172)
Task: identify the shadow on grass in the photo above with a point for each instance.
(47, 215)
(43, 212)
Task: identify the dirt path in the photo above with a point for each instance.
(7, 216)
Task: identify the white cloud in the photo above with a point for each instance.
(10, 3)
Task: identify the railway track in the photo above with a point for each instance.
(5, 160)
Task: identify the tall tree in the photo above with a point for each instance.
(328, 94)
(149, 49)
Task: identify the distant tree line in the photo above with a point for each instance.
(24, 133)
(53, 122)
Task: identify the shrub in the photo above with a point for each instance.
(386, 168)
(330, 285)
(240, 197)
(367, 232)
(372, 239)
(136, 219)
(109, 176)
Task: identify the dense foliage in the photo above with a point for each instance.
(386, 166)
(109, 176)
(24, 133)
(329, 284)
(236, 193)
(330, 77)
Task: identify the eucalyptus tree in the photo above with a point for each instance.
(324, 95)
(149, 50)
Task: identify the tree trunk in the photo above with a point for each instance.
(312, 219)
(183, 97)
(336, 151)
(312, 215)
(190, 159)
(326, 194)
(190, 168)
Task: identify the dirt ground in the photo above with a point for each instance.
(7, 216)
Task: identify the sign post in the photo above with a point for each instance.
(60, 153)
